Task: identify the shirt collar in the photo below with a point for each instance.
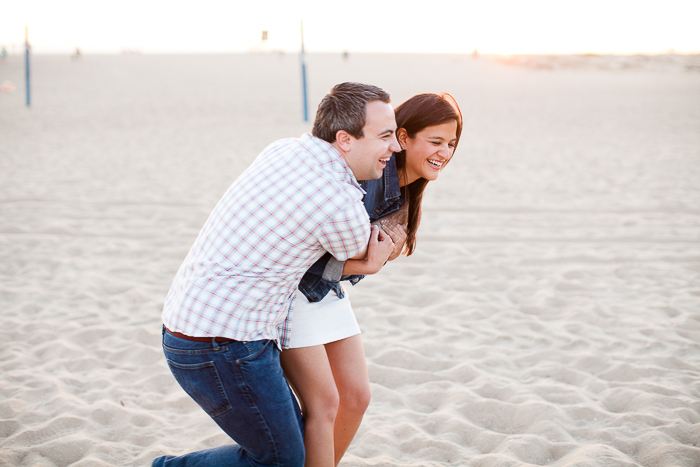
(335, 157)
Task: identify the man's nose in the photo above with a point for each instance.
(394, 144)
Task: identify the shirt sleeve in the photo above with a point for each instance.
(346, 233)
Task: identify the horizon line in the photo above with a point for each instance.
(136, 51)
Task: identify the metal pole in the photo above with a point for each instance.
(303, 75)
(26, 68)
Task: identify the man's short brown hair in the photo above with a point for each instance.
(345, 108)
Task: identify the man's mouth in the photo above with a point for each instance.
(385, 160)
(434, 163)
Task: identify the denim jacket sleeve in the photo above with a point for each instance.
(314, 286)
(383, 196)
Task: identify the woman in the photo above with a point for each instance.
(325, 364)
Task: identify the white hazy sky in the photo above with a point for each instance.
(455, 26)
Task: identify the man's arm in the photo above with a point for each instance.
(394, 225)
(371, 260)
(380, 248)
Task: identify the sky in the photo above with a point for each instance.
(433, 26)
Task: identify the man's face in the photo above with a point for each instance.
(368, 155)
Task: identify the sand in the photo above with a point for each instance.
(550, 316)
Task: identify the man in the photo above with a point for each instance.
(229, 308)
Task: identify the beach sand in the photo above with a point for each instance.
(550, 316)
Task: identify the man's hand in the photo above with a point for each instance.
(395, 225)
(379, 249)
(398, 234)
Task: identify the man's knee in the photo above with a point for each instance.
(293, 456)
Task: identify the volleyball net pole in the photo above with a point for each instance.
(303, 75)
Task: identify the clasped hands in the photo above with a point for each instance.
(386, 242)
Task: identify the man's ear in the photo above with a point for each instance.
(344, 140)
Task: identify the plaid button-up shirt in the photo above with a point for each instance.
(296, 201)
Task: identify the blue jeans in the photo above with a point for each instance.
(242, 388)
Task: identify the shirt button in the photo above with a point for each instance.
(377, 211)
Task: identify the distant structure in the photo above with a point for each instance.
(264, 45)
(3, 54)
(76, 55)
(346, 55)
(475, 54)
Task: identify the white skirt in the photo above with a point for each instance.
(317, 323)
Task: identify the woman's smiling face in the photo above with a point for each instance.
(428, 151)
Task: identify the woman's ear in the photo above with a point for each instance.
(344, 140)
(402, 136)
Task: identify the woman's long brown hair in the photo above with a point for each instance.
(416, 114)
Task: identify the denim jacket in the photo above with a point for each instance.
(383, 196)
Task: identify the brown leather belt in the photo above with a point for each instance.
(199, 339)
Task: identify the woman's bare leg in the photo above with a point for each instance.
(309, 373)
(347, 361)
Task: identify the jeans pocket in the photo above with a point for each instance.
(201, 381)
(255, 349)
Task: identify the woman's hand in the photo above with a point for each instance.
(396, 226)
(398, 234)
